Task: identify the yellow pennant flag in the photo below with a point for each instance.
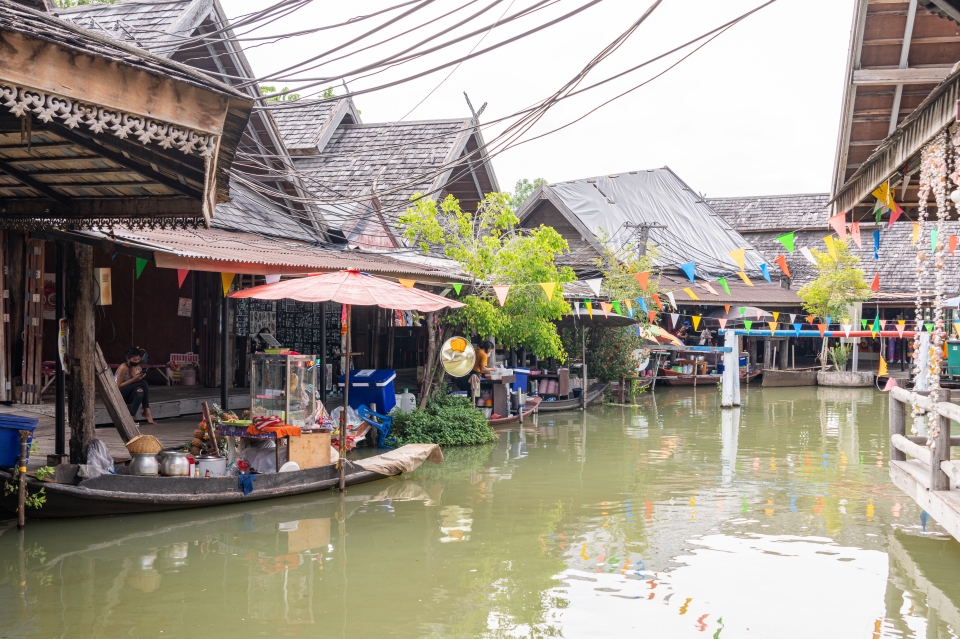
(629, 305)
(846, 320)
(831, 249)
(690, 292)
(696, 322)
(738, 257)
(956, 327)
(548, 288)
(882, 372)
(746, 280)
(885, 194)
(916, 233)
(776, 316)
(227, 279)
(589, 306)
(773, 326)
(407, 283)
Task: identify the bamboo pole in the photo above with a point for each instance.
(22, 492)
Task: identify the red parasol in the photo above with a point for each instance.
(353, 288)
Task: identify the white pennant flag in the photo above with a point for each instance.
(673, 302)
(846, 329)
(793, 318)
(807, 254)
(759, 314)
(272, 279)
(674, 318)
(594, 284)
(576, 308)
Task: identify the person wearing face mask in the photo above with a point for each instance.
(131, 379)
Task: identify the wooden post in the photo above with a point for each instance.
(939, 480)
(342, 457)
(81, 298)
(60, 409)
(586, 383)
(428, 364)
(22, 476)
(112, 399)
(16, 291)
(898, 426)
(208, 420)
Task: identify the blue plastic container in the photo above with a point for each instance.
(372, 386)
(520, 381)
(10, 427)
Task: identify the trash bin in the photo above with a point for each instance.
(520, 382)
(372, 386)
(10, 427)
(953, 357)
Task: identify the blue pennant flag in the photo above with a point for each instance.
(630, 311)
(797, 328)
(766, 272)
(827, 320)
(642, 304)
(689, 268)
(876, 244)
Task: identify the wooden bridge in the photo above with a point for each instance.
(926, 474)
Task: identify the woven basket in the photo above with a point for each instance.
(145, 444)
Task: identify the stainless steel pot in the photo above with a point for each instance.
(175, 464)
(144, 464)
(216, 465)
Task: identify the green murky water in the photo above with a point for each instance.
(671, 519)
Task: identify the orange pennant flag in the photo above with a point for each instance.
(181, 275)
(652, 316)
(823, 329)
(502, 291)
(642, 279)
(810, 318)
(855, 234)
(875, 287)
(953, 244)
(782, 263)
(409, 283)
(607, 307)
(746, 280)
(227, 279)
(726, 307)
(656, 299)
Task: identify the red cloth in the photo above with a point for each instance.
(279, 431)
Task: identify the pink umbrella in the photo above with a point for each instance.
(349, 288)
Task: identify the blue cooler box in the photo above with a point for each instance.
(10, 427)
(372, 386)
(520, 383)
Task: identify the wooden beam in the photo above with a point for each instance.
(34, 183)
(948, 9)
(167, 206)
(867, 77)
(112, 399)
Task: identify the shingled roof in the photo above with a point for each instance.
(307, 125)
(140, 24)
(773, 212)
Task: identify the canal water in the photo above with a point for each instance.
(668, 519)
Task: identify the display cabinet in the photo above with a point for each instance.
(284, 385)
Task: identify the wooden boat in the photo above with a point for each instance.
(528, 409)
(672, 378)
(790, 377)
(595, 391)
(128, 494)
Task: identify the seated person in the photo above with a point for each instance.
(483, 358)
(133, 386)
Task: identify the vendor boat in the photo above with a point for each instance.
(127, 494)
(672, 378)
(596, 390)
(528, 409)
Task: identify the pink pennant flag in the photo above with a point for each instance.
(891, 384)
(181, 275)
(712, 290)
(883, 324)
(606, 306)
(759, 314)
(501, 292)
(723, 322)
(272, 279)
(855, 234)
(839, 224)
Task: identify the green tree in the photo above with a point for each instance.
(522, 190)
(65, 4)
(619, 267)
(491, 250)
(282, 98)
(839, 284)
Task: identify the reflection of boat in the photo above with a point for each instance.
(528, 409)
(126, 494)
(673, 378)
(596, 390)
(790, 377)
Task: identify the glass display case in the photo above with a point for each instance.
(284, 385)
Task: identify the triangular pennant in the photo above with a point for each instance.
(766, 272)
(576, 308)
(876, 244)
(227, 279)
(457, 287)
(953, 244)
(629, 305)
(501, 292)
(876, 326)
(712, 290)
(759, 314)
(894, 214)
(846, 329)
(595, 284)
(739, 257)
(673, 302)
(181, 276)
(748, 324)
(793, 317)
(723, 283)
(901, 324)
(643, 304)
(928, 326)
(643, 279)
(883, 324)
(776, 316)
(141, 263)
(839, 224)
(617, 309)
(674, 318)
(956, 328)
(606, 307)
(726, 307)
(273, 278)
(723, 322)
(916, 234)
(589, 306)
(875, 287)
(689, 268)
(934, 236)
(863, 323)
(409, 283)
(651, 316)
(548, 288)
(831, 249)
(827, 319)
(797, 327)
(782, 263)
(689, 291)
(746, 280)
(890, 385)
(809, 255)
(743, 311)
(878, 210)
(823, 329)
(846, 320)
(656, 300)
(696, 322)
(787, 240)
(810, 318)
(855, 234)
(773, 327)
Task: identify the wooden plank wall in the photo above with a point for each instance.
(5, 381)
(32, 321)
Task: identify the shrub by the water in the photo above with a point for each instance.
(448, 420)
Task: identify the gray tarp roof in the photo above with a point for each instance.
(694, 233)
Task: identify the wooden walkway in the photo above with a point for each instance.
(926, 474)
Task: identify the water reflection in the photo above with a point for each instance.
(672, 518)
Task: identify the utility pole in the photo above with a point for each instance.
(481, 147)
(641, 235)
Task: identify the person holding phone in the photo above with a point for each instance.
(131, 379)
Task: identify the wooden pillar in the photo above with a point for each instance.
(767, 354)
(939, 480)
(81, 298)
(5, 337)
(431, 354)
(785, 354)
(15, 286)
(898, 426)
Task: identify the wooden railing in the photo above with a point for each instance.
(941, 470)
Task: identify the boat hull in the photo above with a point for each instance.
(785, 378)
(676, 379)
(528, 409)
(572, 404)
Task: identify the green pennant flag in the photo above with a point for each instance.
(743, 311)
(616, 307)
(723, 283)
(748, 324)
(934, 235)
(863, 324)
(876, 325)
(929, 326)
(141, 263)
(878, 209)
(456, 287)
(787, 240)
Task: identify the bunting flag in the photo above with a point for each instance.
(712, 290)
(827, 319)
(576, 308)
(787, 240)
(643, 279)
(182, 275)
(589, 306)
(643, 304)
(726, 307)
(882, 369)
(690, 268)
(776, 316)
(606, 307)
(548, 288)
(953, 244)
(743, 311)
(629, 306)
(141, 263)
(855, 234)
(846, 320)
(823, 329)
(916, 234)
(723, 323)
(895, 212)
(831, 249)
(656, 300)
(928, 326)
(746, 280)
(900, 326)
(690, 292)
(410, 283)
(739, 257)
(766, 272)
(876, 328)
(883, 325)
(810, 318)
(878, 210)
(782, 263)
(809, 255)
(674, 318)
(273, 278)
(875, 287)
(876, 244)
(594, 284)
(956, 328)
(227, 280)
(773, 327)
(696, 322)
(839, 224)
(934, 236)
(797, 326)
(457, 287)
(759, 314)
(748, 324)
(673, 302)
(793, 318)
(723, 283)
(863, 324)
(502, 291)
(617, 309)
(890, 385)
(846, 329)
(651, 316)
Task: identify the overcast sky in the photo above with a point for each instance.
(754, 112)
